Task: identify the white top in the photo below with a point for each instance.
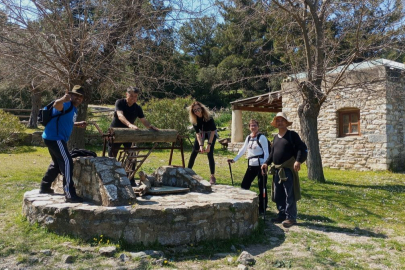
(253, 149)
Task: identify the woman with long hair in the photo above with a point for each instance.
(205, 129)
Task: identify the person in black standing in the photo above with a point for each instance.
(56, 135)
(287, 153)
(257, 147)
(205, 129)
(126, 112)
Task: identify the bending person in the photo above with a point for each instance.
(257, 147)
(205, 129)
(126, 112)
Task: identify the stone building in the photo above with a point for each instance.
(361, 125)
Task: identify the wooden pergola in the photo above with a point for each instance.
(270, 102)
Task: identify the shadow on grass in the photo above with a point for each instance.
(19, 150)
(330, 228)
(389, 188)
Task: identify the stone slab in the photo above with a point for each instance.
(167, 190)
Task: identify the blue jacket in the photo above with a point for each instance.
(60, 129)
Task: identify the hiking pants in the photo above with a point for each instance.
(62, 164)
(250, 175)
(210, 155)
(284, 196)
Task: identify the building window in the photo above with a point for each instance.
(349, 122)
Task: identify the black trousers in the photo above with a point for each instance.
(62, 164)
(250, 175)
(115, 147)
(210, 155)
(284, 195)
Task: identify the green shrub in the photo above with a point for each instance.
(11, 128)
(223, 118)
(168, 114)
(264, 120)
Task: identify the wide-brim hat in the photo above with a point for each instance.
(283, 115)
(77, 90)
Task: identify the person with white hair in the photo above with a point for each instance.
(287, 153)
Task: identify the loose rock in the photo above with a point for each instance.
(246, 258)
(108, 251)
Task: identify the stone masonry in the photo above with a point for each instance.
(182, 177)
(227, 212)
(110, 208)
(100, 180)
(380, 96)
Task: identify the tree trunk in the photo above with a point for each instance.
(308, 113)
(122, 135)
(35, 106)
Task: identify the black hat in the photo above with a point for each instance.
(77, 90)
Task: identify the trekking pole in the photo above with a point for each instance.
(230, 171)
(264, 195)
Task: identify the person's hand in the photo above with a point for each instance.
(81, 124)
(65, 98)
(231, 161)
(201, 148)
(297, 166)
(153, 128)
(132, 126)
(264, 169)
(207, 149)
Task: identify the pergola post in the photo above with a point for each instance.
(237, 127)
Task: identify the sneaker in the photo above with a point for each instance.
(288, 223)
(74, 199)
(213, 180)
(46, 191)
(277, 220)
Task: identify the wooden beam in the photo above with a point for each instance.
(257, 109)
(122, 135)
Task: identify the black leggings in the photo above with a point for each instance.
(251, 173)
(210, 155)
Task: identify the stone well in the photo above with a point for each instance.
(222, 213)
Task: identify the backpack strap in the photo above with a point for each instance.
(259, 144)
(258, 141)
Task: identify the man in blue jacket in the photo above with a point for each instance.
(56, 135)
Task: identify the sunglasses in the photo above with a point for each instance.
(197, 110)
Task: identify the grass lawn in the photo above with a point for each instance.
(356, 220)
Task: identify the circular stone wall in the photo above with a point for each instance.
(169, 219)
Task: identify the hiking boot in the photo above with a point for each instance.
(288, 223)
(74, 199)
(277, 220)
(213, 180)
(46, 191)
